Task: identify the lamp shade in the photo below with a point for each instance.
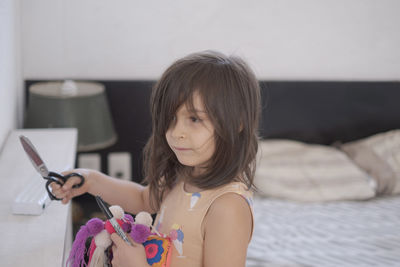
(81, 105)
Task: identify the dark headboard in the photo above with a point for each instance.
(326, 112)
(313, 112)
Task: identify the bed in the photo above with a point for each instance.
(345, 233)
(328, 175)
(346, 219)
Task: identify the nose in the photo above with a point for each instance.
(178, 129)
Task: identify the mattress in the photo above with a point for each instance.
(342, 233)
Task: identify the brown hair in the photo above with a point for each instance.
(231, 97)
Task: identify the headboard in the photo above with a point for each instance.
(327, 112)
(313, 112)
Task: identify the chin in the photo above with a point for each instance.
(186, 162)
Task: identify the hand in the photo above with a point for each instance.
(66, 192)
(125, 255)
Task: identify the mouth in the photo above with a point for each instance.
(181, 148)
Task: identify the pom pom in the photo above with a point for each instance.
(103, 240)
(126, 227)
(140, 233)
(144, 218)
(128, 221)
(77, 253)
(98, 258)
(117, 212)
(92, 248)
(128, 218)
(94, 226)
(110, 229)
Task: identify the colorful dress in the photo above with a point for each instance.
(181, 216)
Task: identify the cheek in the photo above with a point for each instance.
(207, 146)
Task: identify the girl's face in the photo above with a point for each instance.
(191, 135)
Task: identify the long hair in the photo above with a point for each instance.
(231, 97)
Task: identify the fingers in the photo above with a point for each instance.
(65, 173)
(118, 241)
(58, 191)
(70, 183)
(66, 191)
(124, 253)
(132, 241)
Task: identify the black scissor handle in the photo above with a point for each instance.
(66, 177)
(51, 195)
(57, 178)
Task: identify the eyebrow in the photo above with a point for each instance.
(196, 111)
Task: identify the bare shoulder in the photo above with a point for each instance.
(227, 231)
(230, 204)
(229, 208)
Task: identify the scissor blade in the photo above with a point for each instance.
(33, 155)
(103, 207)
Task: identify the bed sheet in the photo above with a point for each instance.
(342, 233)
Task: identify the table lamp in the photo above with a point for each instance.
(69, 104)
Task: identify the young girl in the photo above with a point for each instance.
(199, 164)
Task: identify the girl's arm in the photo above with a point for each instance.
(228, 229)
(131, 196)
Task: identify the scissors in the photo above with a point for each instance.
(51, 177)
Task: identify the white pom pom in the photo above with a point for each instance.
(144, 218)
(103, 239)
(117, 212)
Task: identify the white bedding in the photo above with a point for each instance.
(342, 233)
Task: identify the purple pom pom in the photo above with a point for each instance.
(128, 221)
(140, 233)
(128, 218)
(95, 226)
(126, 226)
(78, 250)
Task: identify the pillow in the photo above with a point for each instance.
(304, 172)
(379, 155)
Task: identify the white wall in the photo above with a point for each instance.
(10, 69)
(281, 39)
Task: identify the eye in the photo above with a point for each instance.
(194, 119)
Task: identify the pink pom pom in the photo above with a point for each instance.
(91, 249)
(140, 233)
(110, 229)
